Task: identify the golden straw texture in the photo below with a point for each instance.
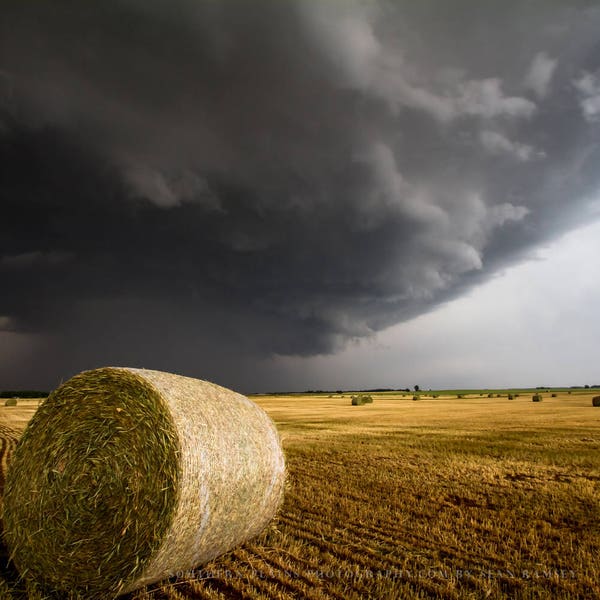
(126, 476)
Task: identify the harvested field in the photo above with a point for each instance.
(442, 498)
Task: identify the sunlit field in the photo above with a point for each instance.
(442, 497)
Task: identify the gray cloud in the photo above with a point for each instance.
(540, 74)
(231, 180)
(588, 86)
(496, 143)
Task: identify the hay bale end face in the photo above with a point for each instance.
(136, 475)
(596, 401)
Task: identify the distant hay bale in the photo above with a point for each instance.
(596, 401)
(415, 397)
(510, 396)
(137, 475)
(490, 395)
(361, 399)
(536, 398)
(10, 402)
(554, 395)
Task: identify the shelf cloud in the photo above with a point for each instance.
(188, 182)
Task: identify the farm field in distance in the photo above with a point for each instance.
(438, 498)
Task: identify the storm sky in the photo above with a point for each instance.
(274, 194)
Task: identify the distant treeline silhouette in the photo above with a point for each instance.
(23, 394)
(346, 391)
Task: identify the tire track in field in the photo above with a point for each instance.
(293, 579)
(356, 534)
(358, 530)
(341, 545)
(231, 579)
(350, 571)
(350, 550)
(388, 533)
(8, 442)
(355, 555)
(348, 532)
(327, 566)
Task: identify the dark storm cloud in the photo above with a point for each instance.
(186, 182)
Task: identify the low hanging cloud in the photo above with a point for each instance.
(588, 86)
(190, 182)
(540, 74)
(496, 143)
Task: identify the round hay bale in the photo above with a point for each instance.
(135, 475)
(596, 401)
(510, 396)
(10, 402)
(536, 398)
(361, 399)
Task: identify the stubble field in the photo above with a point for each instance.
(441, 498)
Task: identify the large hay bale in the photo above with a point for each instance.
(10, 402)
(124, 477)
(536, 398)
(596, 401)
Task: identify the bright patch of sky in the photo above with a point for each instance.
(534, 324)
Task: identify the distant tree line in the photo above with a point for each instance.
(571, 387)
(23, 394)
(346, 391)
(417, 388)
